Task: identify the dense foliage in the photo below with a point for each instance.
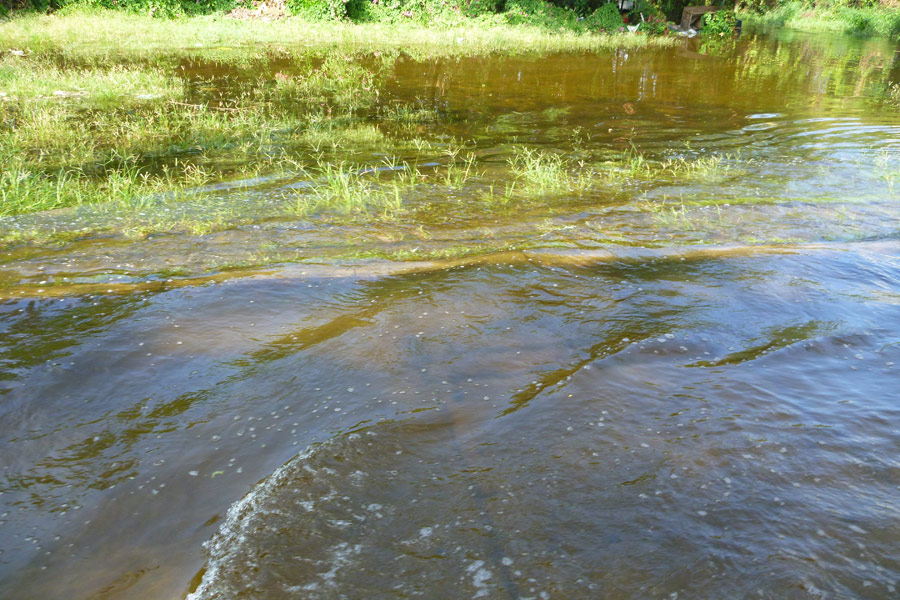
(156, 8)
(607, 17)
(719, 23)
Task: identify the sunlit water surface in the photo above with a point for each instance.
(639, 405)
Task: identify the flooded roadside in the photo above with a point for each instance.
(678, 378)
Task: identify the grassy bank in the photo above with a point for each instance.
(859, 20)
(87, 35)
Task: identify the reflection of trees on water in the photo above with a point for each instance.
(834, 66)
(781, 69)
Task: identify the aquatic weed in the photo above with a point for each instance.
(459, 171)
(543, 172)
(706, 168)
(348, 190)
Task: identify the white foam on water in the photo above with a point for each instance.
(480, 577)
(341, 555)
(233, 532)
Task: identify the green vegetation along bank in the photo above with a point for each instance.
(863, 18)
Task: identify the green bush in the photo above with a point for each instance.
(429, 12)
(540, 14)
(476, 8)
(574, 15)
(718, 23)
(655, 25)
(606, 17)
(318, 9)
(650, 16)
(768, 6)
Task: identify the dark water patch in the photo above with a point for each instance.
(622, 472)
(268, 366)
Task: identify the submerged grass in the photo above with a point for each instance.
(703, 168)
(459, 170)
(888, 168)
(95, 107)
(125, 188)
(541, 172)
(118, 134)
(348, 190)
(125, 134)
(23, 79)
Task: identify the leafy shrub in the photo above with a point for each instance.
(475, 8)
(759, 6)
(655, 25)
(539, 13)
(606, 17)
(318, 9)
(651, 18)
(719, 23)
(430, 12)
(858, 22)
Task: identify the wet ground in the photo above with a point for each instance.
(655, 387)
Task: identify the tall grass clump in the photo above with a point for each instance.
(31, 79)
(541, 172)
(459, 168)
(125, 187)
(347, 190)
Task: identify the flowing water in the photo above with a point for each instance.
(681, 388)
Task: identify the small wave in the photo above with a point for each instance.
(363, 511)
(764, 116)
(761, 126)
(233, 532)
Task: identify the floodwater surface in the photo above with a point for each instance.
(671, 381)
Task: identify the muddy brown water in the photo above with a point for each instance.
(633, 406)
